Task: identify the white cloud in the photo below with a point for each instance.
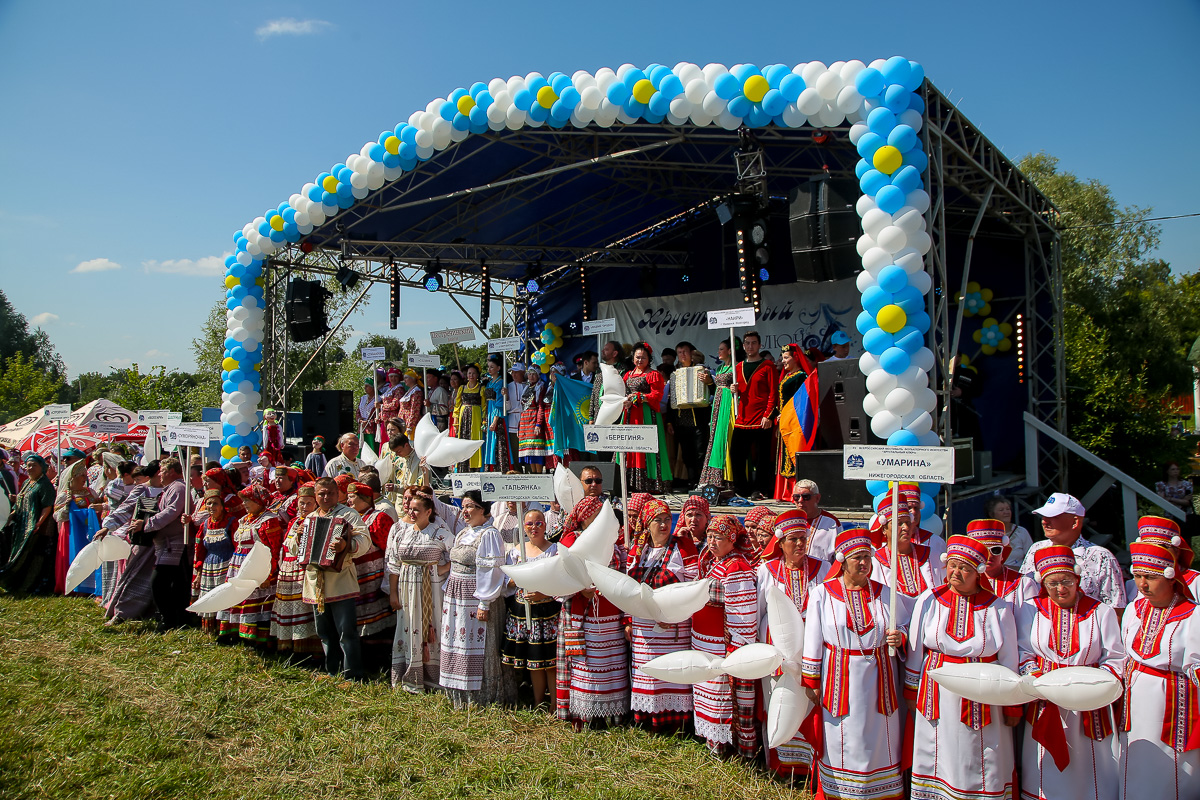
(287, 26)
(209, 266)
(96, 265)
(119, 363)
(44, 318)
(157, 354)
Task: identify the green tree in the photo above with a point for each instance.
(155, 388)
(15, 337)
(351, 372)
(25, 386)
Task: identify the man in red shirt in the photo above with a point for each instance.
(751, 450)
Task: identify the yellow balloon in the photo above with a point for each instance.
(891, 318)
(1005, 345)
(990, 321)
(277, 222)
(260, 282)
(545, 368)
(887, 159)
(229, 363)
(231, 282)
(228, 452)
(329, 184)
(465, 104)
(755, 88)
(972, 287)
(392, 144)
(550, 360)
(546, 96)
(643, 90)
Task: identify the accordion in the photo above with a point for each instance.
(144, 508)
(687, 390)
(317, 538)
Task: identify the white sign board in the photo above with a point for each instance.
(519, 488)
(214, 429)
(158, 417)
(452, 336)
(504, 345)
(621, 438)
(108, 426)
(423, 360)
(373, 353)
(59, 412)
(464, 483)
(595, 327)
(187, 436)
(174, 417)
(865, 462)
(731, 318)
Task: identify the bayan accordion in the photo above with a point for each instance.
(687, 390)
(317, 539)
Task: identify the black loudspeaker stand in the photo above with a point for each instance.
(842, 420)
(824, 467)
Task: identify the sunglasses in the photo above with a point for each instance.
(996, 549)
(801, 497)
(590, 481)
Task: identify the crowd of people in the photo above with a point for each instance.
(416, 590)
(727, 437)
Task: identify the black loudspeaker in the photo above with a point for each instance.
(825, 470)
(824, 228)
(842, 420)
(304, 308)
(328, 414)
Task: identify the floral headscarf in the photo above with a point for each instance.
(633, 512)
(760, 520)
(257, 493)
(586, 507)
(728, 525)
(221, 479)
(693, 501)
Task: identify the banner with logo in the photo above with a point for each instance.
(803, 313)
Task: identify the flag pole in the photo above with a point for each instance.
(895, 557)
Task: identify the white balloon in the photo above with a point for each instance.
(786, 710)
(239, 333)
(243, 429)
(752, 661)
(812, 72)
(696, 90)
(864, 243)
(921, 241)
(702, 119)
(829, 84)
(683, 666)
(921, 282)
(810, 101)
(591, 97)
(880, 382)
(913, 378)
(848, 100)
(713, 105)
(868, 364)
(85, 563)
(925, 398)
(831, 117)
(240, 313)
(899, 401)
(863, 205)
(864, 281)
(875, 221)
(856, 132)
(931, 439)
(250, 302)
(1078, 688)
(729, 121)
(922, 423)
(885, 423)
(892, 239)
(793, 117)
(871, 405)
(912, 118)
(878, 257)
(918, 199)
(994, 684)
(911, 260)
(908, 219)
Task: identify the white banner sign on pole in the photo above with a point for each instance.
(731, 318)
(504, 345)
(187, 436)
(424, 360)
(373, 353)
(156, 417)
(108, 426)
(452, 335)
(494, 486)
(464, 483)
(59, 412)
(592, 327)
(174, 417)
(214, 429)
(621, 438)
(865, 462)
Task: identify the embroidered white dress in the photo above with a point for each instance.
(918, 570)
(1160, 746)
(846, 662)
(1050, 637)
(414, 555)
(657, 703)
(953, 759)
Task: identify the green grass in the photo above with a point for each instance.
(88, 712)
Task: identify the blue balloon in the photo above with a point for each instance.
(228, 387)
(343, 202)
(878, 500)
(632, 77)
(862, 167)
(344, 189)
(264, 229)
(903, 438)
(892, 278)
(910, 300)
(865, 321)
(569, 96)
(907, 179)
(916, 103)
(868, 143)
(476, 88)
(775, 73)
(919, 320)
(930, 489)
(559, 83)
(744, 71)
(391, 161)
(896, 98)
(877, 487)
(535, 84)
(659, 104)
(774, 102)
(651, 117)
(757, 117)
(238, 292)
(456, 95)
(909, 339)
(671, 86)
(917, 159)
(461, 121)
(236, 376)
(523, 99)
(896, 70)
(478, 117)
(877, 340)
(327, 199)
(881, 121)
(231, 343)
(344, 174)
(226, 430)
(916, 76)
(791, 86)
(408, 134)
(291, 232)
(930, 503)
(872, 182)
(740, 106)
(539, 113)
(894, 361)
(289, 214)
(727, 86)
(869, 82)
(889, 199)
(224, 372)
(902, 137)
(618, 93)
(875, 298)
(239, 352)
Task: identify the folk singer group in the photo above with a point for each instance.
(426, 576)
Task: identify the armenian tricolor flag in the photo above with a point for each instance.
(798, 416)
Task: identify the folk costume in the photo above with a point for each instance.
(469, 420)
(414, 555)
(530, 643)
(533, 439)
(751, 456)
(715, 470)
(293, 625)
(1165, 532)
(251, 619)
(648, 472)
(1009, 585)
(374, 611)
(214, 549)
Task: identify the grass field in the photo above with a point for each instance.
(95, 713)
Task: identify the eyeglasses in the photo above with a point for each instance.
(801, 497)
(1061, 583)
(590, 481)
(471, 507)
(537, 523)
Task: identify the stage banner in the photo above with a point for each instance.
(804, 313)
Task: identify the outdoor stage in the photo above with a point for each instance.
(627, 222)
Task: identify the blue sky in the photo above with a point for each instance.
(137, 136)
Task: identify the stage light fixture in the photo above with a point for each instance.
(433, 277)
(485, 294)
(346, 277)
(763, 275)
(1020, 349)
(306, 247)
(585, 294)
(394, 282)
(533, 278)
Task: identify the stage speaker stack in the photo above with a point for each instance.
(824, 228)
(304, 308)
(842, 420)
(328, 413)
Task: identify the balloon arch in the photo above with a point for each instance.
(879, 99)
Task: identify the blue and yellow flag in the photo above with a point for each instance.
(570, 410)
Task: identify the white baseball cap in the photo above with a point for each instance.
(517, 367)
(1061, 503)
